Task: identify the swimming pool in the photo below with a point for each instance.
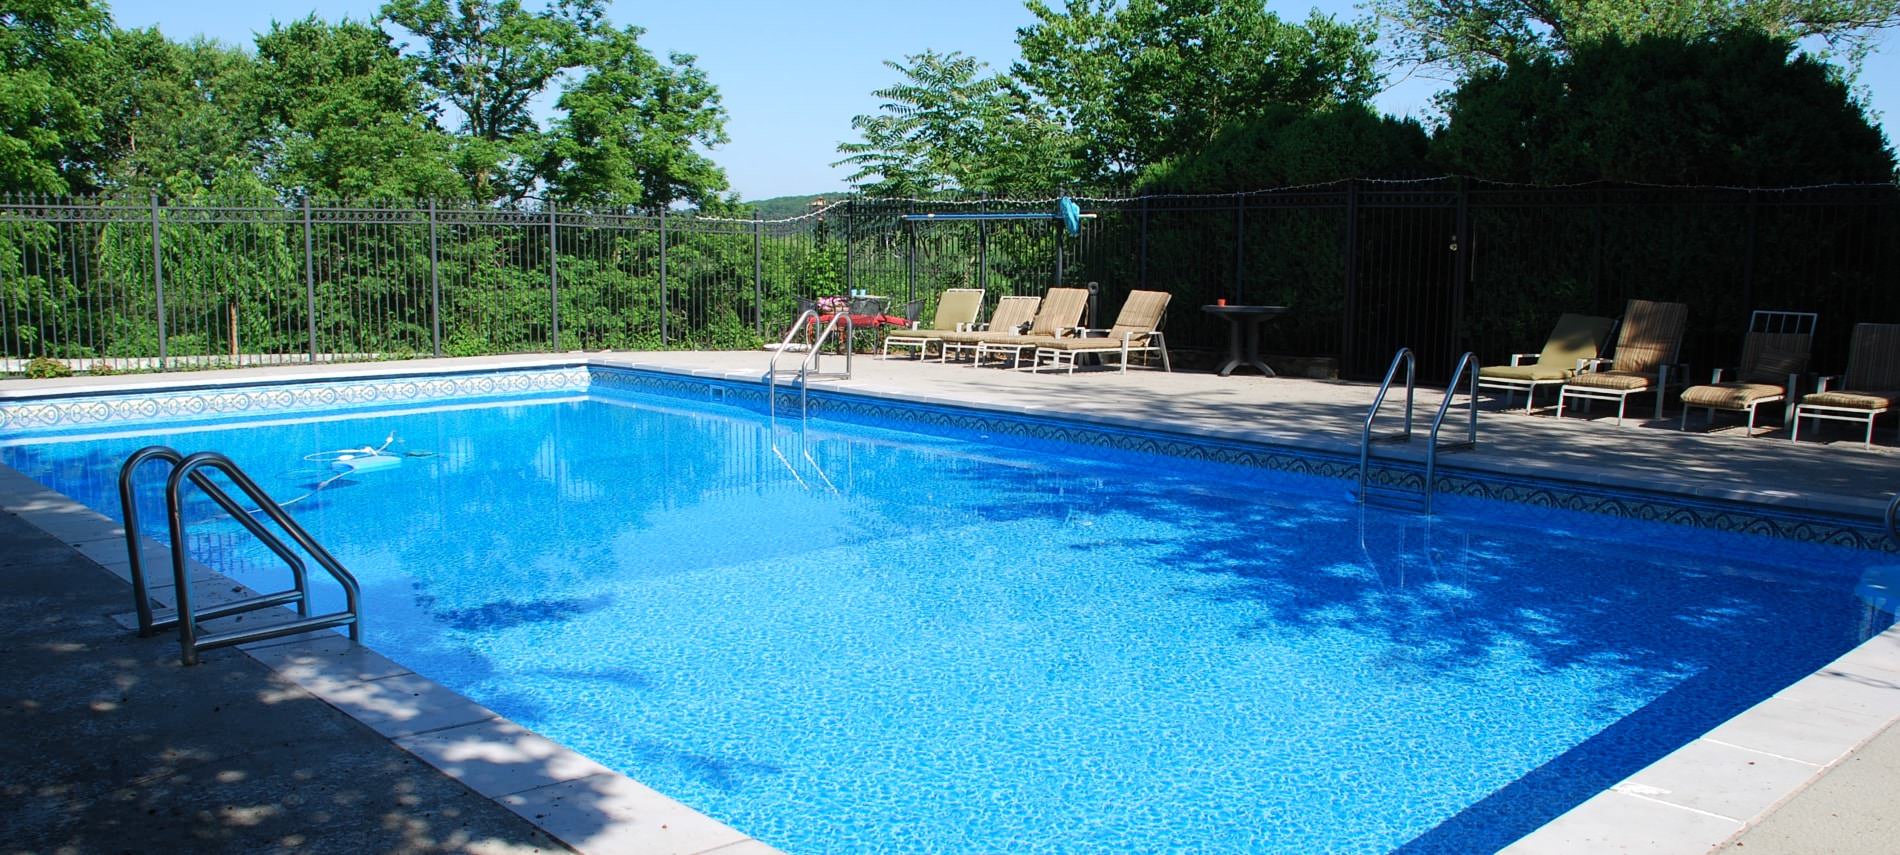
(856, 636)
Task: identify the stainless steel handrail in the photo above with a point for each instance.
(135, 555)
(189, 641)
(771, 368)
(1404, 356)
(1893, 518)
(1467, 367)
(806, 369)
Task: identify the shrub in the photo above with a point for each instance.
(42, 368)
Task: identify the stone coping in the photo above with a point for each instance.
(1693, 800)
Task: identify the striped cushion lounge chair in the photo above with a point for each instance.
(1774, 356)
(956, 312)
(1136, 330)
(1012, 314)
(1060, 315)
(1646, 349)
(1871, 386)
(1575, 342)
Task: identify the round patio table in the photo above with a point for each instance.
(1244, 321)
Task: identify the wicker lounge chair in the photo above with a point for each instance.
(1871, 386)
(1060, 316)
(1136, 330)
(1012, 315)
(956, 312)
(1576, 341)
(1646, 349)
(1774, 356)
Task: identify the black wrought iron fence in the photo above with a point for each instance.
(1440, 266)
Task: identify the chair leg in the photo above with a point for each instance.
(1622, 403)
(1794, 435)
(1869, 442)
(1561, 398)
(1685, 418)
(1751, 419)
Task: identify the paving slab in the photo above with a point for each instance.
(113, 746)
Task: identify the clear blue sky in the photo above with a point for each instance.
(794, 73)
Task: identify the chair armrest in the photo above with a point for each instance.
(1085, 332)
(1717, 376)
(1822, 382)
(1518, 358)
(1584, 365)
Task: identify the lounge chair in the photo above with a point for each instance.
(1059, 317)
(1136, 330)
(1774, 356)
(1012, 314)
(1871, 386)
(1576, 340)
(1646, 348)
(956, 312)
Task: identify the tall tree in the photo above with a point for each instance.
(1462, 36)
(1147, 80)
(632, 128)
(173, 117)
(1728, 108)
(50, 54)
(488, 60)
(346, 115)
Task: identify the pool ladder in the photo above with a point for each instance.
(1421, 499)
(808, 367)
(191, 470)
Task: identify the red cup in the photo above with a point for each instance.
(1221, 302)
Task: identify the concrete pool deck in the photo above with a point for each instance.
(1814, 740)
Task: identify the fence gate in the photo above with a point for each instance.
(1407, 265)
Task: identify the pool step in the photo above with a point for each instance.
(1392, 497)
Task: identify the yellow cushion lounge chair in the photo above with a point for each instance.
(1011, 315)
(1646, 348)
(1871, 387)
(1576, 341)
(1060, 316)
(1774, 356)
(1136, 330)
(956, 312)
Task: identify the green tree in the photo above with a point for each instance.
(346, 115)
(1463, 36)
(50, 54)
(173, 117)
(1147, 80)
(1729, 108)
(488, 60)
(631, 128)
(1286, 146)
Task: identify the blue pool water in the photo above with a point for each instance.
(857, 638)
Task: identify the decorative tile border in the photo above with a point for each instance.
(1734, 517)
(195, 404)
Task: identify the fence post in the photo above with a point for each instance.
(1141, 253)
(158, 281)
(758, 274)
(662, 277)
(310, 277)
(1748, 257)
(554, 284)
(983, 248)
(1351, 302)
(435, 288)
(1461, 264)
(1240, 247)
(910, 263)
